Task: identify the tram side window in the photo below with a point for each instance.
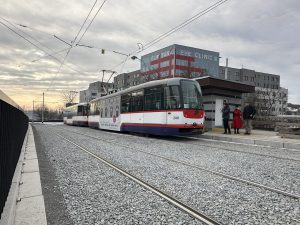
(125, 103)
(153, 98)
(172, 97)
(97, 106)
(137, 101)
(117, 111)
(80, 111)
(111, 111)
(92, 108)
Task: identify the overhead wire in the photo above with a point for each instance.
(179, 26)
(173, 30)
(38, 47)
(25, 33)
(49, 55)
(72, 45)
(91, 21)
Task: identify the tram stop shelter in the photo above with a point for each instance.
(215, 91)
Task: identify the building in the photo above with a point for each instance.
(95, 90)
(126, 80)
(251, 77)
(269, 98)
(215, 91)
(179, 61)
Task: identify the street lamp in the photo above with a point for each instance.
(135, 57)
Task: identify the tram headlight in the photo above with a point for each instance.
(194, 124)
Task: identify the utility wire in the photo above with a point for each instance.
(25, 33)
(38, 47)
(35, 29)
(50, 55)
(180, 26)
(72, 46)
(91, 21)
(84, 23)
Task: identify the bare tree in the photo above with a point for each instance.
(266, 100)
(68, 96)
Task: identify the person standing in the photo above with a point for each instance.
(225, 117)
(237, 119)
(248, 115)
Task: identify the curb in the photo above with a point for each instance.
(30, 208)
(269, 143)
(9, 211)
(25, 202)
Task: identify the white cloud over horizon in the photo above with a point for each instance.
(258, 35)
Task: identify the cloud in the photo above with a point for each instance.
(259, 35)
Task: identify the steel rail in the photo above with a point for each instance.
(240, 143)
(296, 196)
(184, 207)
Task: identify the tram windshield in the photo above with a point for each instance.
(191, 95)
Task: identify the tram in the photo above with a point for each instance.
(163, 107)
(76, 115)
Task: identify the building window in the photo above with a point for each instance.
(195, 74)
(252, 79)
(180, 62)
(165, 64)
(245, 78)
(164, 73)
(181, 72)
(154, 67)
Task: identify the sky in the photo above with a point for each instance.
(259, 35)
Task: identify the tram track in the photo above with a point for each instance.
(248, 182)
(233, 150)
(174, 201)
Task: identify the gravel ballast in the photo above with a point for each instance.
(229, 201)
(96, 194)
(277, 173)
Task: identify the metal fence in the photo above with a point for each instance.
(13, 128)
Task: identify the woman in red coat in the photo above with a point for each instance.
(237, 119)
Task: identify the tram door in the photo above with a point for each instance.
(172, 101)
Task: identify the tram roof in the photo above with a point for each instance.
(77, 104)
(169, 81)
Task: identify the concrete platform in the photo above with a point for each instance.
(257, 137)
(30, 208)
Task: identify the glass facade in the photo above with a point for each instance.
(180, 61)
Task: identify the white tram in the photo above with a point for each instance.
(76, 114)
(162, 107)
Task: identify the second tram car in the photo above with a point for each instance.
(162, 107)
(76, 114)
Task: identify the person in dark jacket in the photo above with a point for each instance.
(237, 120)
(226, 116)
(248, 115)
